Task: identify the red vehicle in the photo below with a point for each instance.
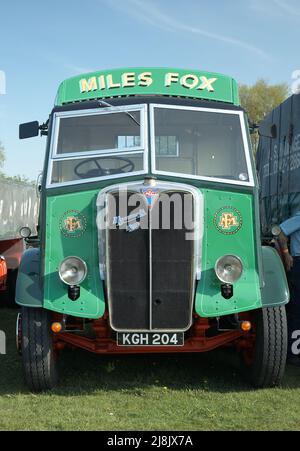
(3, 273)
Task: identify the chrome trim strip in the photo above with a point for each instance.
(103, 155)
(19, 333)
(96, 179)
(150, 273)
(100, 153)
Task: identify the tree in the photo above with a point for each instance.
(260, 99)
(14, 178)
(2, 155)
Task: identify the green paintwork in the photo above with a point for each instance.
(225, 88)
(59, 246)
(247, 295)
(209, 302)
(28, 288)
(275, 290)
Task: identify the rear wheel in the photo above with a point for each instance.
(264, 362)
(12, 280)
(8, 296)
(38, 355)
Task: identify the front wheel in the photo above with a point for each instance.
(38, 355)
(264, 362)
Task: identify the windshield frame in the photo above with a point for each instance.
(147, 110)
(247, 149)
(142, 149)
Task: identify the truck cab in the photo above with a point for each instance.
(149, 227)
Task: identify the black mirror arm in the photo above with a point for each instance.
(253, 127)
(44, 128)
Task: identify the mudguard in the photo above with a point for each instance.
(28, 289)
(275, 290)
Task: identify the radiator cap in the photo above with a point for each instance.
(150, 181)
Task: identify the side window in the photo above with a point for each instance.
(167, 146)
(126, 142)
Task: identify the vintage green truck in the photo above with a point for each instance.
(149, 227)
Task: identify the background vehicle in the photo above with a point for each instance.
(278, 164)
(130, 153)
(18, 208)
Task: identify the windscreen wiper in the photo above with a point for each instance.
(103, 103)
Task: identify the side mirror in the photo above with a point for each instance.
(267, 131)
(29, 130)
(253, 128)
(276, 230)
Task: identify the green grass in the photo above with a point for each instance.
(189, 392)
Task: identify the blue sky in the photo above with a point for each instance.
(42, 43)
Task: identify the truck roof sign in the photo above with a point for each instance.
(148, 81)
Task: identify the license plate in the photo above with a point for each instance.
(150, 339)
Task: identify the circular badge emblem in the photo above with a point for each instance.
(228, 220)
(151, 195)
(73, 224)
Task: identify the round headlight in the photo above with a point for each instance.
(25, 232)
(72, 271)
(276, 230)
(229, 268)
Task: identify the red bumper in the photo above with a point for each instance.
(104, 343)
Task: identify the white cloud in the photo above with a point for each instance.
(148, 12)
(77, 69)
(63, 63)
(261, 7)
(274, 8)
(287, 7)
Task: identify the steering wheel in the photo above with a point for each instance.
(100, 171)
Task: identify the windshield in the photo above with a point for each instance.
(112, 142)
(97, 132)
(102, 143)
(199, 143)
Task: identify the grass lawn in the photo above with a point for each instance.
(190, 392)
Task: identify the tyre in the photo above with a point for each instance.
(264, 362)
(38, 355)
(12, 280)
(8, 296)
